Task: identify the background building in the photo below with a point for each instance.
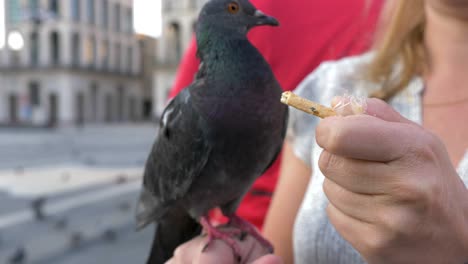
(179, 18)
(77, 65)
(80, 62)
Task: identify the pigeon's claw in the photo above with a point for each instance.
(226, 236)
(247, 227)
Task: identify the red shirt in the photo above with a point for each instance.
(311, 31)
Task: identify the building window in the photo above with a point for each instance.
(90, 11)
(13, 11)
(129, 23)
(109, 107)
(94, 51)
(34, 52)
(34, 94)
(175, 41)
(132, 110)
(13, 108)
(117, 56)
(129, 59)
(54, 8)
(94, 100)
(105, 13)
(76, 10)
(168, 6)
(120, 103)
(53, 109)
(55, 48)
(33, 8)
(90, 51)
(192, 4)
(76, 49)
(117, 17)
(15, 58)
(79, 109)
(194, 26)
(105, 54)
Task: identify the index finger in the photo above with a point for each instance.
(365, 137)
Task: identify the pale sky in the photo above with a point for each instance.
(2, 24)
(147, 18)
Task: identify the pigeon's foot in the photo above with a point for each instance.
(226, 236)
(247, 227)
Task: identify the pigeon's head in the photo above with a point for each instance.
(232, 16)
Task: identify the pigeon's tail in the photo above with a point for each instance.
(172, 230)
(148, 209)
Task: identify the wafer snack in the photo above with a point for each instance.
(307, 106)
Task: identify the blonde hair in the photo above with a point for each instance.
(400, 39)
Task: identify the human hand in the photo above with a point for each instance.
(393, 192)
(251, 252)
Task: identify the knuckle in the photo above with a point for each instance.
(434, 141)
(405, 192)
(180, 251)
(424, 154)
(398, 224)
(393, 222)
(328, 162)
(376, 244)
(328, 189)
(414, 194)
(416, 186)
(335, 140)
(330, 134)
(392, 228)
(424, 148)
(324, 161)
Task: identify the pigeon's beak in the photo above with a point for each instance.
(263, 19)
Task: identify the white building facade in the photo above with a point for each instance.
(179, 19)
(80, 63)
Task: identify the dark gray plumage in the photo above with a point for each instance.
(19, 256)
(37, 206)
(218, 135)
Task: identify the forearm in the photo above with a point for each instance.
(288, 196)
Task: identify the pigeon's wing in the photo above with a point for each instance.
(177, 157)
(283, 135)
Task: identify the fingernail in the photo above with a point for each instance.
(349, 105)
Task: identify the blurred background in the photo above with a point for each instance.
(81, 83)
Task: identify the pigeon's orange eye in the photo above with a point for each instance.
(233, 8)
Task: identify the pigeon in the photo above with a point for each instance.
(109, 235)
(18, 257)
(61, 224)
(76, 240)
(37, 206)
(216, 137)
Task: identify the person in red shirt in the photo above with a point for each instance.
(311, 31)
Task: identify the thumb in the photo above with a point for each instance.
(380, 109)
(371, 106)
